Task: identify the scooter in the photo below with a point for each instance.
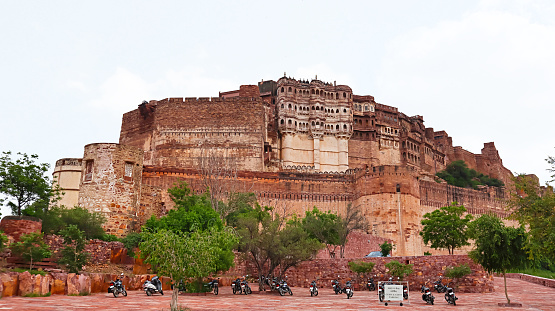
(313, 289)
(336, 286)
(450, 296)
(153, 286)
(213, 285)
(371, 285)
(348, 289)
(427, 295)
(116, 287)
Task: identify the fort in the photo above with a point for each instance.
(296, 144)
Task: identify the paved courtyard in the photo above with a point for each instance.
(532, 297)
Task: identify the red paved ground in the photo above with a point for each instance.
(532, 297)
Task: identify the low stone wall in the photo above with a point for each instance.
(100, 251)
(532, 279)
(426, 269)
(21, 284)
(16, 226)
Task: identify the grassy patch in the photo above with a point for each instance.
(81, 294)
(37, 295)
(537, 272)
(20, 270)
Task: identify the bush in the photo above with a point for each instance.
(361, 267)
(398, 269)
(109, 238)
(457, 272)
(31, 248)
(427, 254)
(131, 241)
(58, 218)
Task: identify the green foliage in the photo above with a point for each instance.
(361, 267)
(458, 272)
(458, 174)
(73, 255)
(446, 228)
(267, 242)
(3, 240)
(398, 269)
(109, 238)
(25, 183)
(31, 248)
(427, 254)
(194, 213)
(497, 248)
(354, 220)
(196, 286)
(325, 227)
(131, 241)
(21, 270)
(535, 209)
(238, 201)
(37, 295)
(58, 218)
(185, 255)
(386, 248)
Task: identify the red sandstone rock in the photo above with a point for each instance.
(78, 283)
(58, 283)
(10, 283)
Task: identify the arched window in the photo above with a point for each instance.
(289, 106)
(336, 95)
(281, 105)
(281, 90)
(317, 108)
(295, 107)
(282, 121)
(312, 107)
(312, 91)
(313, 123)
(337, 111)
(289, 122)
(337, 127)
(344, 126)
(290, 90)
(344, 95)
(344, 110)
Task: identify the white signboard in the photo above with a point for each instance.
(393, 292)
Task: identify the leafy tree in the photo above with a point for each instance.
(31, 248)
(73, 255)
(535, 209)
(398, 269)
(193, 213)
(386, 248)
(3, 240)
(457, 272)
(324, 227)
(354, 220)
(361, 267)
(497, 248)
(267, 242)
(58, 218)
(446, 228)
(458, 174)
(25, 183)
(184, 255)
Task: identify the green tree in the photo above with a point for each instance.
(269, 242)
(73, 255)
(386, 248)
(184, 255)
(398, 269)
(25, 183)
(446, 228)
(58, 218)
(535, 209)
(458, 174)
(31, 248)
(354, 220)
(3, 240)
(193, 213)
(324, 227)
(497, 248)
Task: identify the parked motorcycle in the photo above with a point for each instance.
(405, 291)
(153, 286)
(116, 287)
(313, 289)
(439, 287)
(371, 285)
(450, 296)
(348, 289)
(336, 286)
(284, 288)
(427, 295)
(381, 292)
(213, 285)
(245, 288)
(236, 286)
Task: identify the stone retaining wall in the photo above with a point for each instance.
(531, 279)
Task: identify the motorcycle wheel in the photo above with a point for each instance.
(432, 301)
(234, 291)
(216, 290)
(162, 292)
(381, 298)
(316, 293)
(281, 292)
(148, 293)
(249, 290)
(290, 292)
(115, 292)
(349, 295)
(311, 293)
(124, 293)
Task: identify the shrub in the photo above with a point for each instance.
(74, 256)
(132, 241)
(31, 248)
(386, 248)
(398, 269)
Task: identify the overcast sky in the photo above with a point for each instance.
(482, 71)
